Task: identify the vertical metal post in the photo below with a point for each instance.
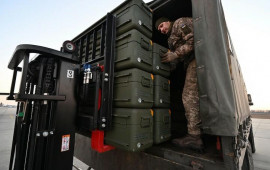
(87, 48)
(24, 73)
(18, 160)
(11, 94)
(14, 141)
(81, 49)
(94, 44)
(108, 75)
(102, 39)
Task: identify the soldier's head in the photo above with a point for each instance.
(163, 25)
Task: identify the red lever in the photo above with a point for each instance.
(102, 68)
(97, 142)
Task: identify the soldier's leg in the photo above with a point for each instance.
(190, 98)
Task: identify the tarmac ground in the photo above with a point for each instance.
(261, 129)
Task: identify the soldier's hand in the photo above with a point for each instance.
(168, 57)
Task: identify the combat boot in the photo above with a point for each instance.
(193, 142)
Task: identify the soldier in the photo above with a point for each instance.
(181, 45)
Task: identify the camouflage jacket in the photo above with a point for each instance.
(181, 39)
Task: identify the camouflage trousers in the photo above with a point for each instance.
(190, 98)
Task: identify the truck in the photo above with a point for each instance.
(94, 98)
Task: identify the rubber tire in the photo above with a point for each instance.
(248, 159)
(251, 140)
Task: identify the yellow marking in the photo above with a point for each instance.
(152, 76)
(151, 42)
(152, 112)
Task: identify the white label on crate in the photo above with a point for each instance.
(65, 143)
(70, 74)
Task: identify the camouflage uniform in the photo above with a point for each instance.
(181, 42)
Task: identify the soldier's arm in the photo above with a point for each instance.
(185, 49)
(187, 46)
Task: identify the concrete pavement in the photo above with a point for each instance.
(261, 157)
(7, 119)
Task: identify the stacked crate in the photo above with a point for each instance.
(132, 127)
(162, 117)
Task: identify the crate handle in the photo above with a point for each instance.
(124, 59)
(121, 100)
(161, 68)
(165, 86)
(123, 37)
(147, 101)
(141, 60)
(165, 101)
(149, 29)
(145, 44)
(123, 75)
(146, 82)
(161, 52)
(124, 23)
(122, 116)
(145, 122)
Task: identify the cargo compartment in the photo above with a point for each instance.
(133, 49)
(133, 88)
(162, 125)
(132, 129)
(160, 68)
(161, 92)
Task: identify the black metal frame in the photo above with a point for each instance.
(108, 76)
(11, 93)
(100, 119)
(36, 111)
(22, 53)
(234, 148)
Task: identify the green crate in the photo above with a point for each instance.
(132, 129)
(133, 50)
(160, 68)
(133, 88)
(162, 125)
(133, 14)
(161, 92)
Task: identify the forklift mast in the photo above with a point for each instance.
(52, 85)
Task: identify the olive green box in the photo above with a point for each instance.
(133, 50)
(133, 88)
(162, 125)
(160, 68)
(133, 14)
(132, 129)
(161, 92)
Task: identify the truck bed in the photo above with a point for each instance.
(163, 156)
